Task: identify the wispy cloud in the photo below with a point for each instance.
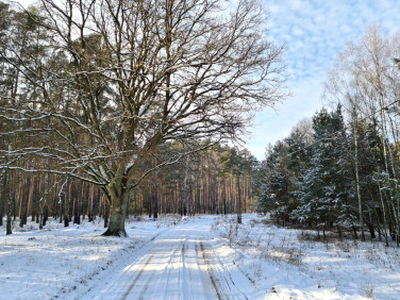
(314, 31)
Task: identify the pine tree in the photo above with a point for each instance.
(275, 182)
(325, 189)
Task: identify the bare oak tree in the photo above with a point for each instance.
(116, 79)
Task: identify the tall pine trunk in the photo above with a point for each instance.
(24, 202)
(6, 197)
(239, 203)
(2, 197)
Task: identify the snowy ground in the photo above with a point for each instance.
(205, 257)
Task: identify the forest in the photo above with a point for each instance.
(114, 109)
(105, 117)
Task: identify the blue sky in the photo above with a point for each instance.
(314, 31)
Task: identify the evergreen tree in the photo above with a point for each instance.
(325, 189)
(275, 182)
(279, 172)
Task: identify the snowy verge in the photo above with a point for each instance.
(286, 263)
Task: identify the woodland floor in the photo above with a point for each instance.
(206, 257)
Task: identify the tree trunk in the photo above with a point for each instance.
(1, 213)
(340, 233)
(185, 192)
(24, 202)
(118, 210)
(155, 203)
(360, 210)
(3, 197)
(9, 212)
(224, 196)
(371, 230)
(8, 226)
(383, 208)
(45, 214)
(40, 218)
(239, 203)
(6, 199)
(65, 208)
(106, 209)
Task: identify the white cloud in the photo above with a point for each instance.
(314, 31)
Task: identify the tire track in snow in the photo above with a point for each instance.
(208, 266)
(184, 277)
(217, 266)
(172, 261)
(140, 252)
(170, 267)
(136, 278)
(147, 284)
(150, 243)
(216, 256)
(182, 263)
(168, 270)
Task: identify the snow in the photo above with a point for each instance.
(206, 257)
(56, 261)
(290, 264)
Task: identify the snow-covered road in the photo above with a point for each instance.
(178, 263)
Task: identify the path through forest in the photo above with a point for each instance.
(177, 263)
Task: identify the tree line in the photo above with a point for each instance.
(215, 181)
(340, 171)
